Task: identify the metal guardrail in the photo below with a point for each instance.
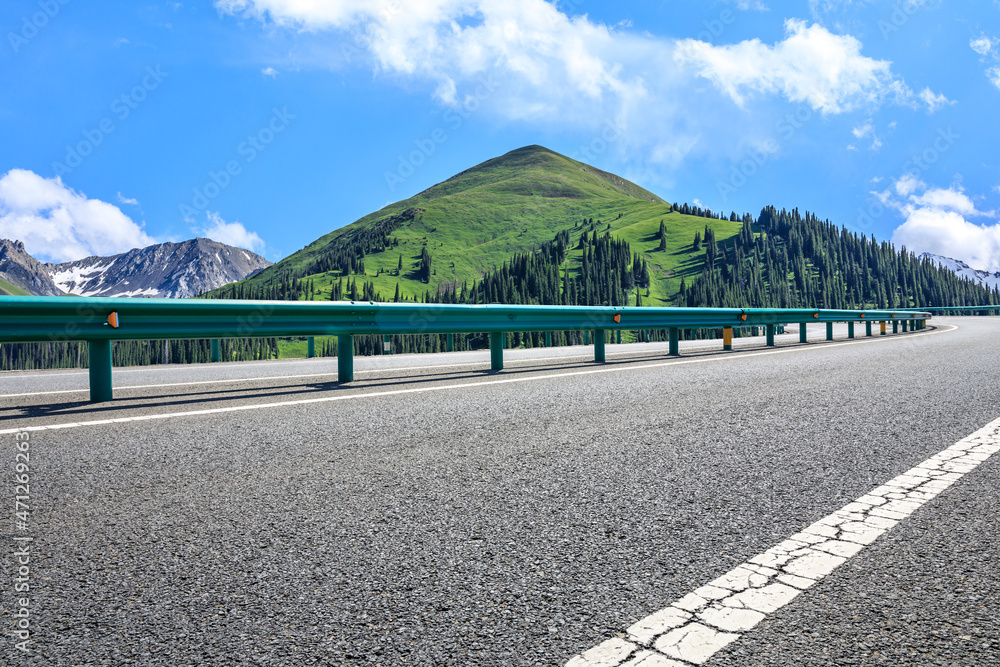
(99, 321)
(957, 309)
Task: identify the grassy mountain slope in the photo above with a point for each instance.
(478, 219)
(8, 288)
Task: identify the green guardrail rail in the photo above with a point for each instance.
(956, 309)
(99, 321)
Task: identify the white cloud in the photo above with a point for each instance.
(981, 45)
(812, 66)
(527, 60)
(987, 48)
(231, 233)
(937, 222)
(934, 102)
(908, 184)
(122, 199)
(269, 71)
(752, 5)
(868, 131)
(56, 223)
(994, 76)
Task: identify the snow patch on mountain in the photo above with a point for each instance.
(170, 270)
(963, 270)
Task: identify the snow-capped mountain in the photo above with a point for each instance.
(23, 272)
(963, 270)
(172, 270)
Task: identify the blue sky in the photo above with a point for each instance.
(268, 123)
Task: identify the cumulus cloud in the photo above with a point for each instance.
(56, 223)
(269, 71)
(231, 233)
(993, 74)
(811, 65)
(867, 131)
(934, 102)
(981, 45)
(122, 199)
(529, 61)
(987, 48)
(937, 221)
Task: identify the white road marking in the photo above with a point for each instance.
(463, 385)
(85, 390)
(696, 627)
(268, 378)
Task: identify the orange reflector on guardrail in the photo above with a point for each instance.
(815, 316)
(113, 320)
(862, 316)
(618, 319)
(743, 316)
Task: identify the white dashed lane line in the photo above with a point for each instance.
(703, 622)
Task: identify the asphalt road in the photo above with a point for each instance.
(451, 516)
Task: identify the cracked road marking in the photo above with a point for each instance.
(691, 630)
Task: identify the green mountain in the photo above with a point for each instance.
(534, 226)
(471, 224)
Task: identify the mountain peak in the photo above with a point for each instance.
(22, 272)
(963, 270)
(173, 270)
(535, 170)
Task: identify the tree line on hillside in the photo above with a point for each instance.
(346, 253)
(800, 262)
(31, 356)
(783, 259)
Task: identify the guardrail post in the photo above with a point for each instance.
(345, 358)
(311, 346)
(829, 330)
(386, 344)
(868, 329)
(882, 328)
(618, 336)
(675, 335)
(803, 334)
(727, 338)
(769, 330)
(895, 326)
(548, 339)
(850, 329)
(100, 370)
(496, 350)
(450, 343)
(599, 346)
(216, 353)
(586, 337)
